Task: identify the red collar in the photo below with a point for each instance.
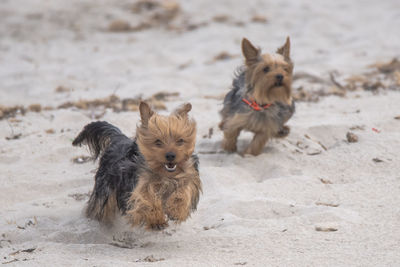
(253, 104)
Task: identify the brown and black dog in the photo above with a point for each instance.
(260, 100)
(151, 179)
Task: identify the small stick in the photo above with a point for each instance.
(211, 152)
(318, 142)
(335, 82)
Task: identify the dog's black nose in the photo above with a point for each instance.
(279, 77)
(170, 156)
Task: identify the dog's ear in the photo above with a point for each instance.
(250, 53)
(183, 110)
(285, 50)
(145, 112)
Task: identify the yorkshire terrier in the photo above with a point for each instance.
(150, 179)
(260, 100)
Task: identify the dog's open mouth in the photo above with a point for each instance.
(170, 166)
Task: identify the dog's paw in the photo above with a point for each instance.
(177, 209)
(283, 132)
(175, 218)
(249, 152)
(178, 218)
(157, 226)
(229, 148)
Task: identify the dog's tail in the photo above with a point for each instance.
(98, 136)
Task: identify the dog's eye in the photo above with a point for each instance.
(158, 143)
(180, 142)
(266, 69)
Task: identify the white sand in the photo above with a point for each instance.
(257, 211)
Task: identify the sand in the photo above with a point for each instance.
(312, 199)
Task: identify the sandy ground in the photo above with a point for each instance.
(255, 211)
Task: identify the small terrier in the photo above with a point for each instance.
(260, 100)
(151, 179)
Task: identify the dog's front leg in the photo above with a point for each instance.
(146, 209)
(257, 144)
(230, 139)
(178, 204)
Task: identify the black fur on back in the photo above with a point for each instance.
(233, 99)
(119, 165)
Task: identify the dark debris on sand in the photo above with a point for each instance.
(13, 137)
(150, 258)
(118, 105)
(150, 14)
(382, 76)
(377, 160)
(96, 106)
(9, 112)
(80, 196)
(351, 137)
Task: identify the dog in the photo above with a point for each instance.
(260, 100)
(151, 179)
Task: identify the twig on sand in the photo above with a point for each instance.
(28, 250)
(357, 127)
(315, 152)
(336, 83)
(122, 245)
(326, 204)
(316, 141)
(325, 181)
(325, 229)
(11, 261)
(211, 152)
(240, 263)
(377, 160)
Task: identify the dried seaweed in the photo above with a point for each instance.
(9, 112)
(383, 76)
(150, 258)
(151, 13)
(96, 106)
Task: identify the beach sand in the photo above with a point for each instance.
(312, 199)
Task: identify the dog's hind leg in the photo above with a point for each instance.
(102, 208)
(283, 132)
(102, 204)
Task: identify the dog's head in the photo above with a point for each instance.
(269, 75)
(166, 142)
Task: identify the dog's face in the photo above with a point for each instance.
(269, 75)
(166, 142)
